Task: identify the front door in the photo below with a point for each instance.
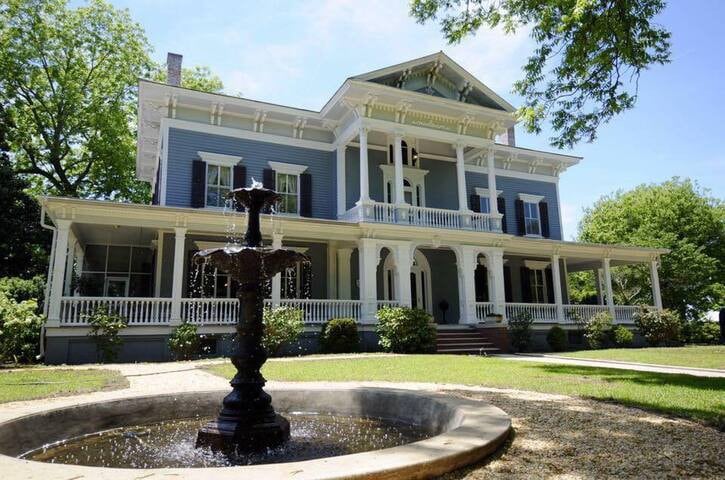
(419, 288)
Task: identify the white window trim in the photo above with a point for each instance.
(219, 159)
(531, 198)
(536, 264)
(483, 192)
(206, 181)
(416, 177)
(288, 168)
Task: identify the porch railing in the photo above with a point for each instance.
(483, 309)
(320, 311)
(434, 217)
(210, 311)
(581, 313)
(138, 311)
(539, 312)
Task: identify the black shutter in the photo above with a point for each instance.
(475, 203)
(481, 282)
(525, 285)
(520, 224)
(268, 179)
(305, 195)
(501, 204)
(544, 217)
(240, 180)
(549, 285)
(198, 184)
(508, 292)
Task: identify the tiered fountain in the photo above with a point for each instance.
(247, 421)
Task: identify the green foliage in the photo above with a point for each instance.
(598, 330)
(105, 331)
(588, 57)
(557, 339)
(197, 78)
(704, 332)
(282, 325)
(582, 288)
(676, 215)
(20, 327)
(623, 337)
(340, 335)
(20, 289)
(405, 330)
(659, 328)
(68, 78)
(520, 331)
(184, 341)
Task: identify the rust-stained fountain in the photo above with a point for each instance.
(247, 421)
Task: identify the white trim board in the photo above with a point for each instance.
(288, 168)
(483, 192)
(219, 159)
(513, 174)
(530, 198)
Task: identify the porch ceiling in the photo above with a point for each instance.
(88, 233)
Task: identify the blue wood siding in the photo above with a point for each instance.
(184, 145)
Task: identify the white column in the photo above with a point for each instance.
(277, 279)
(56, 286)
(341, 193)
(364, 182)
(566, 280)
(80, 258)
(398, 164)
(70, 258)
(343, 273)
(461, 178)
(368, 259)
(403, 262)
(494, 258)
(608, 285)
(159, 263)
(492, 196)
(556, 280)
(178, 278)
(467, 284)
(332, 270)
(654, 276)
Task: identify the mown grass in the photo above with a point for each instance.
(696, 356)
(681, 395)
(33, 383)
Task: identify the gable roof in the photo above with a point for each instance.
(446, 69)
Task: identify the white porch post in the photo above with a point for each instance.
(341, 193)
(403, 262)
(364, 183)
(159, 263)
(56, 286)
(343, 273)
(608, 285)
(368, 258)
(654, 276)
(398, 164)
(467, 284)
(277, 279)
(461, 178)
(178, 279)
(556, 280)
(494, 261)
(492, 191)
(80, 258)
(72, 243)
(332, 270)
(566, 280)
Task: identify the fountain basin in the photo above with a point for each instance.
(462, 432)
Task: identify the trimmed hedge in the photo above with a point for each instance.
(406, 330)
(557, 339)
(340, 335)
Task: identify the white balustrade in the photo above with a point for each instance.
(483, 309)
(539, 312)
(387, 303)
(581, 313)
(434, 217)
(320, 311)
(625, 313)
(210, 311)
(137, 311)
(383, 212)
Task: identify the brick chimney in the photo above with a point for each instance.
(173, 69)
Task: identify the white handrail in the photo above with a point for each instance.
(581, 313)
(136, 310)
(434, 217)
(317, 311)
(483, 309)
(210, 311)
(539, 312)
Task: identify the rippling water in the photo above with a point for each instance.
(171, 444)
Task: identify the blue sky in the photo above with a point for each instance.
(298, 53)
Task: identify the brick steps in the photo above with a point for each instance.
(463, 341)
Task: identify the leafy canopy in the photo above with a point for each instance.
(588, 58)
(676, 215)
(195, 78)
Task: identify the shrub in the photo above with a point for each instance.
(281, 325)
(557, 339)
(105, 329)
(623, 337)
(697, 331)
(20, 289)
(598, 330)
(20, 327)
(406, 330)
(339, 335)
(659, 328)
(184, 341)
(520, 331)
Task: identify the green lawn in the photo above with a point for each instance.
(34, 383)
(712, 356)
(682, 395)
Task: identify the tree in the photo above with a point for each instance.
(588, 58)
(68, 79)
(23, 244)
(677, 215)
(196, 78)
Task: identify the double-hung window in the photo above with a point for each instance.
(536, 278)
(485, 199)
(531, 218)
(288, 189)
(485, 205)
(218, 184)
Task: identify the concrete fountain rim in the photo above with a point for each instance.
(477, 430)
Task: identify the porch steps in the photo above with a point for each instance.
(463, 341)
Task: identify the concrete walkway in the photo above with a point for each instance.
(640, 367)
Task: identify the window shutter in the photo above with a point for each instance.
(240, 180)
(520, 224)
(305, 195)
(198, 184)
(481, 282)
(501, 204)
(525, 285)
(508, 292)
(549, 285)
(475, 203)
(268, 179)
(544, 217)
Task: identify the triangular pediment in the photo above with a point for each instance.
(439, 76)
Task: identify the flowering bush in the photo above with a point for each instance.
(281, 325)
(659, 328)
(105, 331)
(184, 341)
(19, 329)
(598, 330)
(406, 330)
